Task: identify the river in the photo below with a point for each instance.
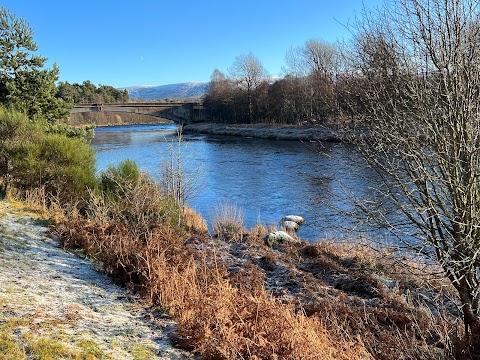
(267, 179)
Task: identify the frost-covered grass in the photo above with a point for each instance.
(55, 305)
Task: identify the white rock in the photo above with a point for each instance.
(278, 237)
(290, 225)
(295, 218)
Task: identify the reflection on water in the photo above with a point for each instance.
(267, 178)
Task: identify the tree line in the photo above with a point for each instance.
(314, 88)
(87, 93)
(324, 83)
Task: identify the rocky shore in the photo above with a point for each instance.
(266, 131)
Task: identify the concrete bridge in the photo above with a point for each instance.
(183, 113)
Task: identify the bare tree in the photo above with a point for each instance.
(315, 57)
(317, 64)
(249, 72)
(322, 58)
(420, 65)
(220, 96)
(181, 180)
(296, 65)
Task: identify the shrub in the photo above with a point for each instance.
(13, 128)
(32, 158)
(134, 200)
(114, 179)
(65, 166)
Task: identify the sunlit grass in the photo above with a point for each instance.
(141, 352)
(10, 348)
(23, 337)
(227, 221)
(90, 349)
(46, 348)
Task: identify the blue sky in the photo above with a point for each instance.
(148, 42)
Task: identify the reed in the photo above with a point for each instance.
(227, 221)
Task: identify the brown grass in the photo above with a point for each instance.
(226, 323)
(229, 315)
(389, 300)
(259, 231)
(216, 319)
(227, 221)
(193, 221)
(239, 299)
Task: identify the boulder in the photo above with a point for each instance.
(295, 218)
(290, 227)
(277, 238)
(291, 223)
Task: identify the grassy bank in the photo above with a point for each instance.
(56, 305)
(235, 298)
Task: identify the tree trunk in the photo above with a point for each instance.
(470, 318)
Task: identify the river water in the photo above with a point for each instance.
(267, 179)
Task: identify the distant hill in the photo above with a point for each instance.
(191, 90)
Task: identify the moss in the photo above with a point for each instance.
(43, 222)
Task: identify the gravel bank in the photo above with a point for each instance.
(279, 132)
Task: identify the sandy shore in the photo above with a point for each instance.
(265, 131)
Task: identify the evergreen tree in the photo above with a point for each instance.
(24, 82)
(87, 92)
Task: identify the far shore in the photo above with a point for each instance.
(266, 131)
(132, 124)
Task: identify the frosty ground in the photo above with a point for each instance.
(56, 299)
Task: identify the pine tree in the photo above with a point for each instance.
(24, 82)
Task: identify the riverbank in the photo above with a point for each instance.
(230, 296)
(100, 119)
(235, 297)
(266, 131)
(55, 304)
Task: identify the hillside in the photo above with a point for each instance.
(190, 90)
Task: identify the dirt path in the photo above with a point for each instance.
(55, 302)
